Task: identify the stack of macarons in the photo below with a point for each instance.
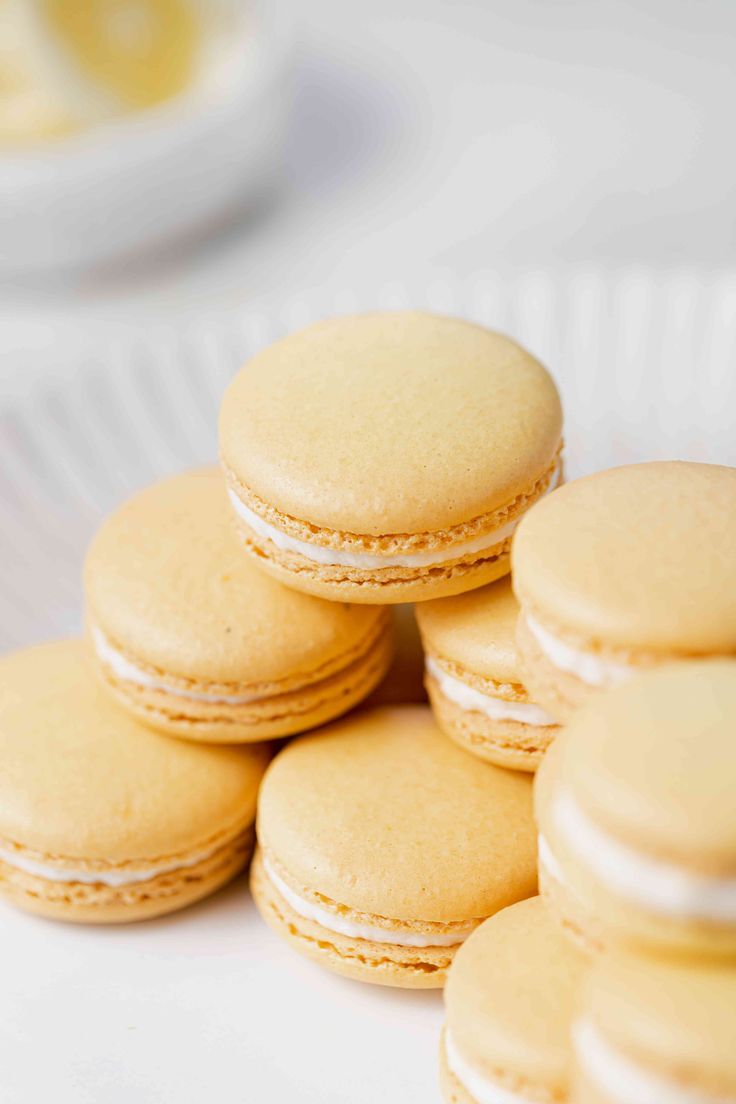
(626, 639)
(252, 669)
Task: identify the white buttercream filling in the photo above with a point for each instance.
(111, 877)
(335, 557)
(481, 1088)
(584, 665)
(498, 709)
(333, 922)
(123, 669)
(624, 1080)
(658, 886)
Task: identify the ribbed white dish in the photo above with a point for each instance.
(646, 365)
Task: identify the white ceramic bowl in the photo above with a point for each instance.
(147, 179)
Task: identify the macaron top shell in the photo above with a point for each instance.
(476, 630)
(638, 557)
(674, 1019)
(80, 778)
(383, 814)
(511, 996)
(168, 583)
(652, 762)
(393, 423)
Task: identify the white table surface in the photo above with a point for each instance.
(206, 1005)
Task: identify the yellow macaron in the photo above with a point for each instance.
(382, 846)
(624, 570)
(650, 1031)
(637, 817)
(510, 998)
(474, 681)
(388, 457)
(194, 640)
(102, 820)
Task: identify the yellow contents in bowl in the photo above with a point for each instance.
(66, 65)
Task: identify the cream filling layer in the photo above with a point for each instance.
(335, 557)
(624, 1080)
(658, 886)
(129, 876)
(586, 666)
(481, 1088)
(123, 669)
(498, 709)
(332, 922)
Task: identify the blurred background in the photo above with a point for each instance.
(166, 159)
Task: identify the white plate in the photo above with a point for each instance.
(207, 1004)
(141, 182)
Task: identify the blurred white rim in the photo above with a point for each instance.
(267, 41)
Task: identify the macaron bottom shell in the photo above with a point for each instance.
(353, 957)
(97, 903)
(380, 586)
(505, 743)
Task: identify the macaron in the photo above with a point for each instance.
(474, 681)
(510, 1000)
(102, 820)
(624, 570)
(195, 641)
(388, 457)
(404, 681)
(382, 846)
(656, 1032)
(637, 817)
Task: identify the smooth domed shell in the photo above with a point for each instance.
(476, 630)
(652, 762)
(382, 813)
(390, 423)
(640, 557)
(168, 583)
(511, 996)
(80, 778)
